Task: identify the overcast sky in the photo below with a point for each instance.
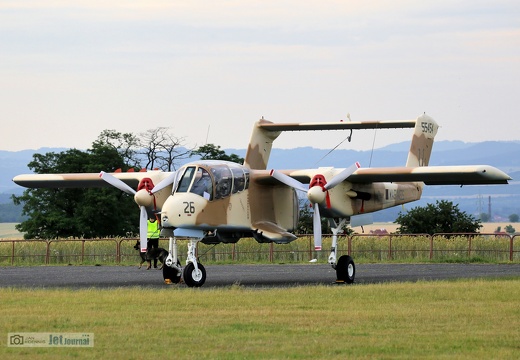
(70, 69)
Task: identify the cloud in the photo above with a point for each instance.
(130, 64)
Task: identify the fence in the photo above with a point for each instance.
(364, 247)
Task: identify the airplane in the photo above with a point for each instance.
(214, 202)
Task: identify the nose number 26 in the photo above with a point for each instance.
(189, 207)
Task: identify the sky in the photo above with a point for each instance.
(209, 69)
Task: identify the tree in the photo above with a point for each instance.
(484, 217)
(305, 221)
(513, 218)
(213, 152)
(510, 229)
(162, 149)
(88, 213)
(443, 217)
(124, 143)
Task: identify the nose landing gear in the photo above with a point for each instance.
(194, 274)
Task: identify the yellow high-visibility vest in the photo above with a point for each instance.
(153, 230)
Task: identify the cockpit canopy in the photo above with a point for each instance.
(212, 179)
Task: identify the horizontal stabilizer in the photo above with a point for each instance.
(338, 125)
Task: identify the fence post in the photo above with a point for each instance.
(431, 246)
(12, 254)
(118, 251)
(470, 237)
(389, 247)
(82, 250)
(511, 238)
(47, 252)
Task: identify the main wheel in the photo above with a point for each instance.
(171, 275)
(194, 278)
(345, 269)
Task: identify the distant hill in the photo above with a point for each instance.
(13, 163)
(505, 155)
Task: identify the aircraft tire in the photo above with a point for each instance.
(346, 269)
(171, 275)
(191, 278)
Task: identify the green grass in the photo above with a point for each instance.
(448, 319)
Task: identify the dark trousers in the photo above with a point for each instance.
(151, 247)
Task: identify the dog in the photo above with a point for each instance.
(151, 254)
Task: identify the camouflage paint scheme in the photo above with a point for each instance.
(267, 209)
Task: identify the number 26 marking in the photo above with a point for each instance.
(189, 208)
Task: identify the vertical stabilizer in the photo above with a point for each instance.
(422, 141)
(260, 146)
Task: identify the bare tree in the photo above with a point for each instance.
(161, 149)
(124, 143)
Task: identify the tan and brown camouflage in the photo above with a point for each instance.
(246, 201)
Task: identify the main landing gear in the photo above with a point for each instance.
(345, 267)
(194, 274)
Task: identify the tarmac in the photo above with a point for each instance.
(249, 276)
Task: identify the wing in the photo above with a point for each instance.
(430, 175)
(85, 180)
(433, 175)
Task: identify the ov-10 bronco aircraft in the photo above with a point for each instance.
(220, 202)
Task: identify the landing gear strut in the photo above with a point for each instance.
(194, 274)
(172, 268)
(345, 267)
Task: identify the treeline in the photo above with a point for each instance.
(100, 212)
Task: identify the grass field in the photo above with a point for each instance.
(7, 231)
(470, 319)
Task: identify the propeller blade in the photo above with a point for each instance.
(165, 182)
(116, 183)
(143, 229)
(316, 224)
(287, 180)
(342, 176)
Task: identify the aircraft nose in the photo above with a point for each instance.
(182, 210)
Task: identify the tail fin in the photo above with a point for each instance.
(422, 141)
(260, 146)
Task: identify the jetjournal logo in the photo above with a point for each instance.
(24, 339)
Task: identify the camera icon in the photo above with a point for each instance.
(16, 340)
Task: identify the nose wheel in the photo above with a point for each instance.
(194, 276)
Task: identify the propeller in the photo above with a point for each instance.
(170, 179)
(143, 198)
(317, 192)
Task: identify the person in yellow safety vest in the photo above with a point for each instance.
(153, 238)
